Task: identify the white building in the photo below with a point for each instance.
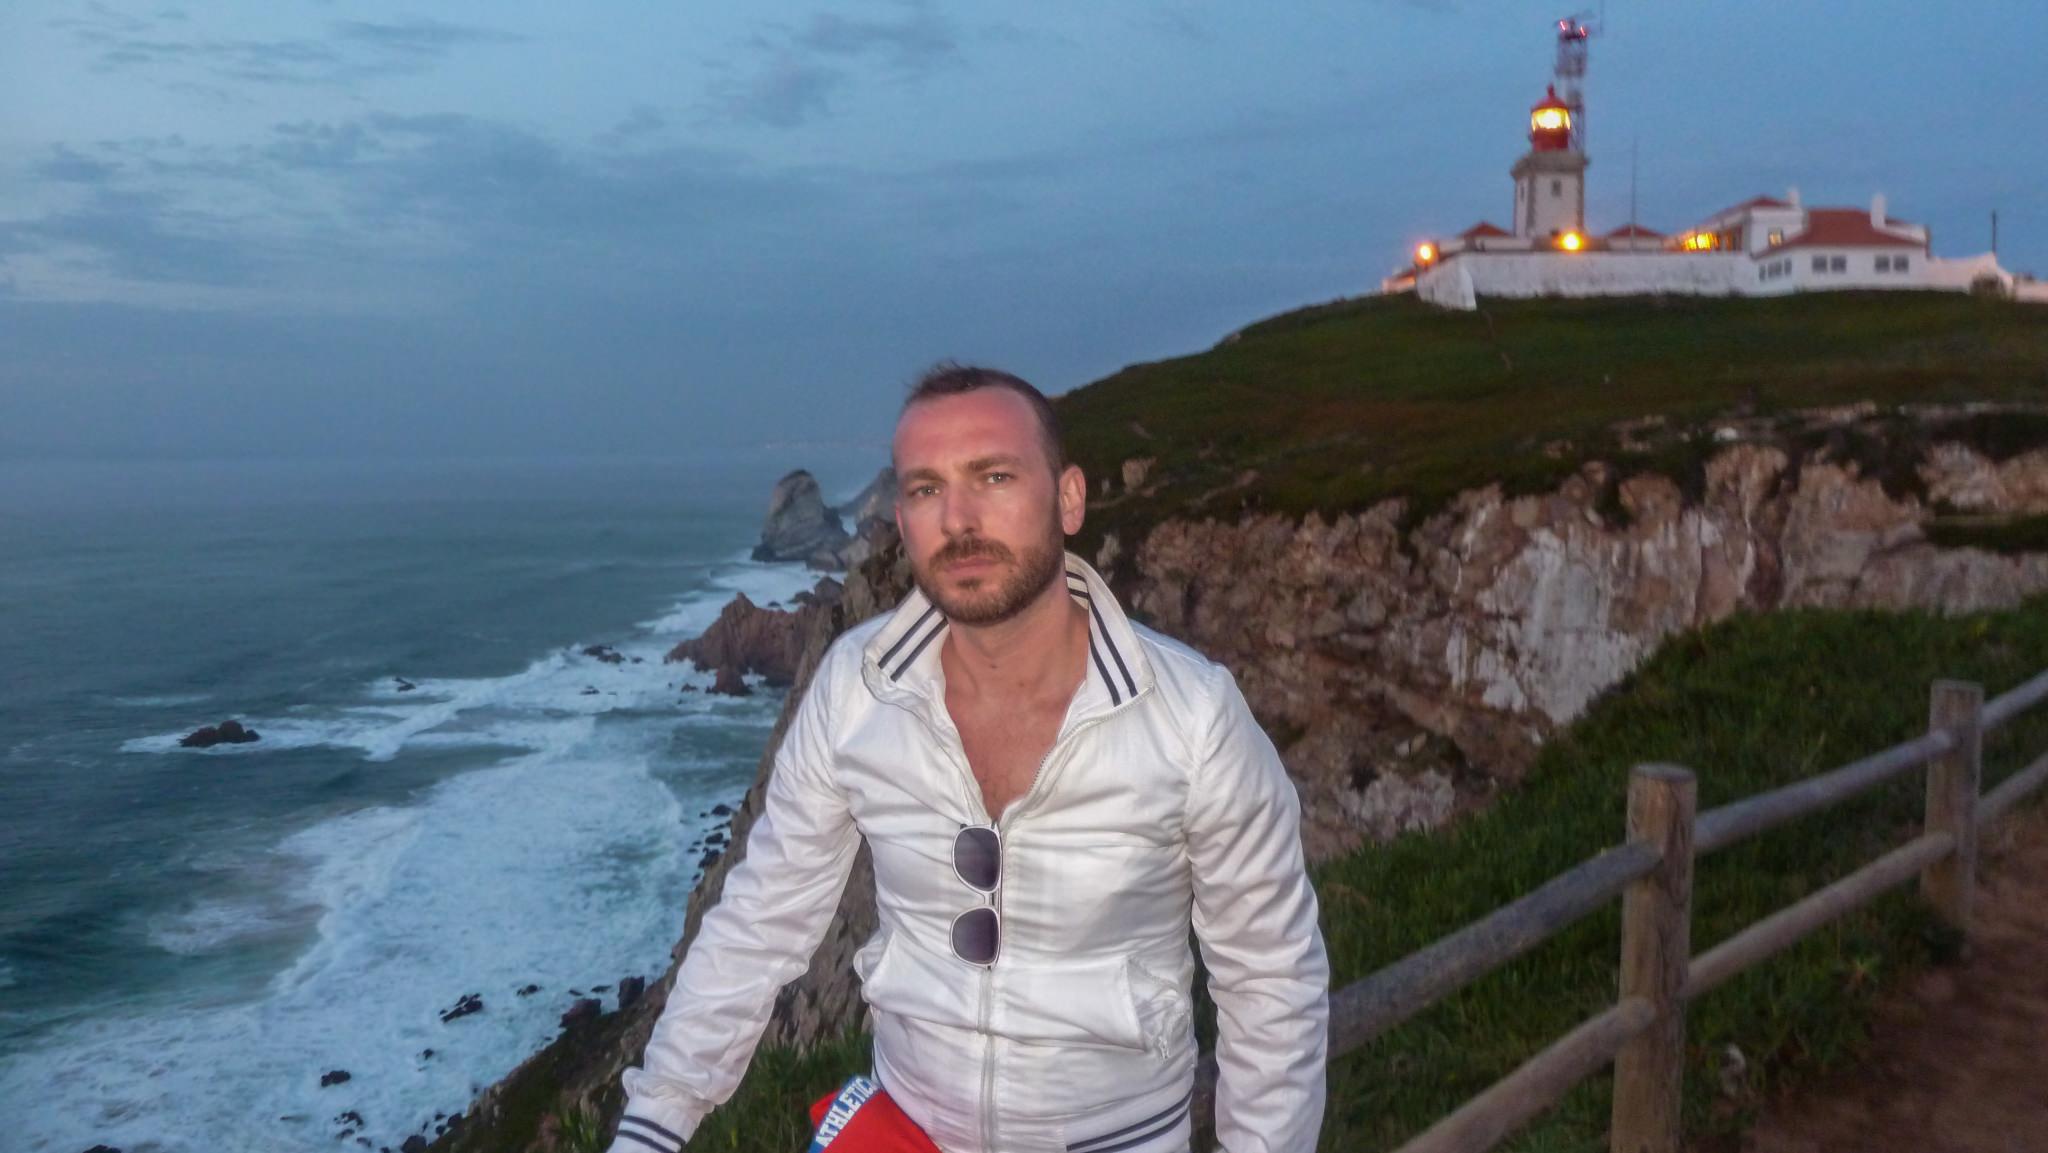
(1761, 247)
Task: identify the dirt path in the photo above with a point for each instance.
(1960, 1060)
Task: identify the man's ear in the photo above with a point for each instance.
(1073, 499)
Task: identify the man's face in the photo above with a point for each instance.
(983, 518)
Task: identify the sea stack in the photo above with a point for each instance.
(800, 527)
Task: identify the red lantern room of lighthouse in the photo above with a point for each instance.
(1550, 123)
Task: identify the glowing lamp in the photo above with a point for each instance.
(1571, 242)
(1550, 123)
(1425, 253)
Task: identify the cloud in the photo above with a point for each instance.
(644, 121)
(385, 212)
(803, 67)
(351, 51)
(431, 39)
(785, 92)
(916, 41)
(69, 166)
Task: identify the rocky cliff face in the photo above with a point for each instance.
(1406, 676)
(1403, 678)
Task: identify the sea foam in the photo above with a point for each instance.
(564, 864)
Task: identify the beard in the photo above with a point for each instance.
(989, 600)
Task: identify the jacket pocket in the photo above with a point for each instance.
(1162, 1010)
(898, 975)
(1068, 1002)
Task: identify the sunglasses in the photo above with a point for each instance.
(978, 862)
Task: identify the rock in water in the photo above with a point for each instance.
(469, 1003)
(730, 684)
(748, 639)
(225, 733)
(585, 1009)
(875, 502)
(799, 525)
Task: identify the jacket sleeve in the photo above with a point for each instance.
(1255, 916)
(777, 903)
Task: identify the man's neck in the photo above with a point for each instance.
(1039, 653)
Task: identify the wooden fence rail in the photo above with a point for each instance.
(1643, 1034)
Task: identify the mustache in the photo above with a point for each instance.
(969, 548)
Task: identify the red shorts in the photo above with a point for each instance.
(860, 1118)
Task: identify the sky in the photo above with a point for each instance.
(389, 230)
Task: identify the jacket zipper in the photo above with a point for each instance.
(988, 1065)
(1016, 809)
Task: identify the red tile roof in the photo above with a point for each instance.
(1752, 202)
(1848, 228)
(1484, 229)
(1633, 231)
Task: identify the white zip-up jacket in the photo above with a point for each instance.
(1161, 805)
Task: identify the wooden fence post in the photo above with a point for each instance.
(1953, 782)
(1656, 946)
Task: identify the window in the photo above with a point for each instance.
(1557, 188)
(1884, 264)
(1820, 264)
(1777, 237)
(1899, 263)
(1838, 264)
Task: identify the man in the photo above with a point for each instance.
(1052, 795)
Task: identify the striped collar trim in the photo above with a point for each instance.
(903, 652)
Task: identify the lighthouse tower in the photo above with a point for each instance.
(1550, 179)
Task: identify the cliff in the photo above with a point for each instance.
(1407, 678)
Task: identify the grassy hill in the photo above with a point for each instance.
(1336, 407)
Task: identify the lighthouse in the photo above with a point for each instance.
(1550, 179)
(1761, 247)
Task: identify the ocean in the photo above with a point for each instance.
(190, 939)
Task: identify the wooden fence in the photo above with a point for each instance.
(1643, 1034)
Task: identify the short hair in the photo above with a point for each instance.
(948, 378)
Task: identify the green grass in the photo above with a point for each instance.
(771, 1110)
(1751, 703)
(1340, 406)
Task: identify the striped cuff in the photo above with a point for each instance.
(649, 1128)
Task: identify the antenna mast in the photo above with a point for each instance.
(1572, 34)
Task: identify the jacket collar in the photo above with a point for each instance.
(901, 661)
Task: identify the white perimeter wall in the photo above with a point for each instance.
(1459, 282)
(1456, 282)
